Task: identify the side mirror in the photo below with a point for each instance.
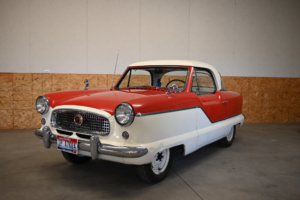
(172, 89)
(86, 83)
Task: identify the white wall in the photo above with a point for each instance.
(57, 36)
(238, 37)
(14, 36)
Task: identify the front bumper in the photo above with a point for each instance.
(93, 146)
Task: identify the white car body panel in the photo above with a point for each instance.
(196, 134)
(188, 127)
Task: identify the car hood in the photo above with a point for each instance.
(108, 100)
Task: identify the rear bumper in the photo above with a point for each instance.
(93, 146)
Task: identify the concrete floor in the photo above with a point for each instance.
(262, 163)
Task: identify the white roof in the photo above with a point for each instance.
(173, 62)
(183, 63)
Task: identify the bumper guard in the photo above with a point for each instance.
(93, 146)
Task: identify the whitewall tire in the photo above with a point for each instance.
(158, 169)
(228, 140)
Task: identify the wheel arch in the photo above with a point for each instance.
(179, 149)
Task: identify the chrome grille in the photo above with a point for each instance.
(92, 123)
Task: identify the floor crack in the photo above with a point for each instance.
(187, 184)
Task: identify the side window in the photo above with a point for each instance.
(176, 76)
(203, 83)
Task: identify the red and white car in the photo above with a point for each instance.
(154, 107)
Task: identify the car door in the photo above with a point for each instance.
(211, 105)
(232, 101)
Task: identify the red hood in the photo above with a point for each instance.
(103, 100)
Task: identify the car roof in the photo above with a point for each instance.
(173, 62)
(181, 63)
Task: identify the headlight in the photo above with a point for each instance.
(124, 114)
(42, 104)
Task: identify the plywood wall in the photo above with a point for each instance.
(266, 100)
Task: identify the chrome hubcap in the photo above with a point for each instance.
(230, 136)
(160, 161)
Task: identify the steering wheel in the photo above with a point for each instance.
(175, 80)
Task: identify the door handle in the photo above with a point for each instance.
(225, 102)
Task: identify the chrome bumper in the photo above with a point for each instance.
(94, 146)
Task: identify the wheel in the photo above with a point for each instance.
(75, 159)
(228, 140)
(158, 169)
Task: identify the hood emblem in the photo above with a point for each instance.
(78, 119)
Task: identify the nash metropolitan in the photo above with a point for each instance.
(154, 107)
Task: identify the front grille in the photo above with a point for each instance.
(92, 123)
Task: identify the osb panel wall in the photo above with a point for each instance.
(266, 100)
(18, 93)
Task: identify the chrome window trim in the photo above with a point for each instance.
(222, 84)
(88, 132)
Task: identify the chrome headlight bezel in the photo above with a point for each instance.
(129, 114)
(44, 103)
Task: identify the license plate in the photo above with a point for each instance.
(67, 144)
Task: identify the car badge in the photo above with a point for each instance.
(78, 119)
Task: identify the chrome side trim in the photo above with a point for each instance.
(119, 151)
(166, 111)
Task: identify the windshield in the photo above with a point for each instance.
(159, 77)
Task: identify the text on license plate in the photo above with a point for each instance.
(67, 144)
